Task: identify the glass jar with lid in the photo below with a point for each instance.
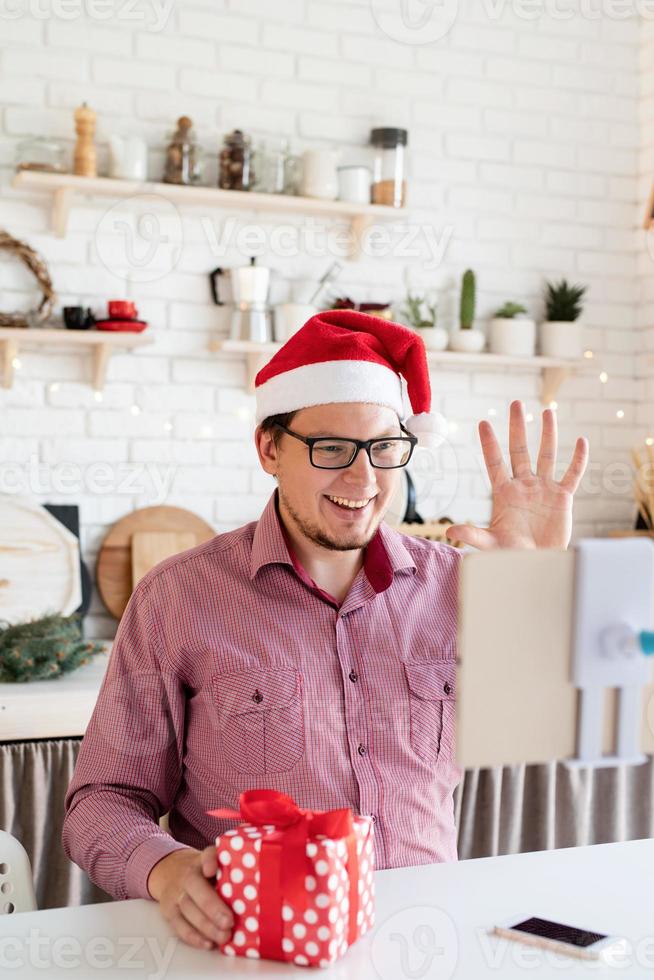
(389, 170)
(40, 153)
(236, 171)
(184, 156)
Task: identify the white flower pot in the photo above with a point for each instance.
(514, 336)
(435, 338)
(561, 338)
(467, 341)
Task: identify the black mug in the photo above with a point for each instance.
(78, 317)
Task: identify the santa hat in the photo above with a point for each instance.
(343, 356)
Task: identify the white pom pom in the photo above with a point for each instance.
(430, 427)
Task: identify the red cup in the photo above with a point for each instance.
(124, 309)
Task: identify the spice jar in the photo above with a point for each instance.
(389, 166)
(183, 155)
(235, 170)
(39, 153)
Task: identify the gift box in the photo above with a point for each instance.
(299, 882)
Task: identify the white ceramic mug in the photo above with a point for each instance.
(319, 177)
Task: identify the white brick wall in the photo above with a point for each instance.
(530, 139)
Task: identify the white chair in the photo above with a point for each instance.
(16, 886)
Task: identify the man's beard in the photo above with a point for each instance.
(313, 532)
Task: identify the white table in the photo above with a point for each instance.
(432, 924)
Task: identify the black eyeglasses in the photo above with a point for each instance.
(334, 453)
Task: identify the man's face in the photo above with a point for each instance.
(305, 490)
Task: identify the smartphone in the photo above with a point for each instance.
(568, 940)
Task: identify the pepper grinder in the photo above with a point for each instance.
(85, 160)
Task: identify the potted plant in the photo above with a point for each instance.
(560, 333)
(466, 339)
(512, 332)
(420, 314)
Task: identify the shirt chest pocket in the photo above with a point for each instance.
(432, 700)
(261, 720)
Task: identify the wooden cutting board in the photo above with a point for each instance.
(116, 573)
(39, 562)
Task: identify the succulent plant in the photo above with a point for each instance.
(510, 310)
(419, 313)
(468, 298)
(563, 301)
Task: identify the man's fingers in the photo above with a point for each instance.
(546, 462)
(575, 471)
(204, 896)
(497, 471)
(518, 449)
(476, 537)
(188, 934)
(207, 926)
(209, 862)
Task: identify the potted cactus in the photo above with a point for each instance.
(466, 339)
(561, 335)
(421, 314)
(512, 332)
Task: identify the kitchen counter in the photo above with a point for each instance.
(431, 922)
(58, 708)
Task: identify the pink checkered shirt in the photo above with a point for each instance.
(231, 670)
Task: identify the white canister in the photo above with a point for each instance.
(128, 157)
(319, 177)
(354, 184)
(289, 317)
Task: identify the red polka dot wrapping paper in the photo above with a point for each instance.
(318, 935)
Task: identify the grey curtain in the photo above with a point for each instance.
(498, 811)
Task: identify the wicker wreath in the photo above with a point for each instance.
(39, 269)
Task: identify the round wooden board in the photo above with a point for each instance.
(114, 566)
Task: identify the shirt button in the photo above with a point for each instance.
(362, 750)
(257, 697)
(354, 677)
(373, 817)
(447, 688)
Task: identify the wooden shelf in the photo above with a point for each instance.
(553, 371)
(102, 344)
(64, 187)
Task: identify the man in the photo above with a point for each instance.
(313, 651)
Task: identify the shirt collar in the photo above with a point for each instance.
(385, 555)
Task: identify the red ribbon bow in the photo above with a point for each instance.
(283, 862)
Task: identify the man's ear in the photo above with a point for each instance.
(267, 450)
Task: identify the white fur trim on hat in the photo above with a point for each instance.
(431, 428)
(326, 382)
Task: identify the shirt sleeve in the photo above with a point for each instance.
(130, 762)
